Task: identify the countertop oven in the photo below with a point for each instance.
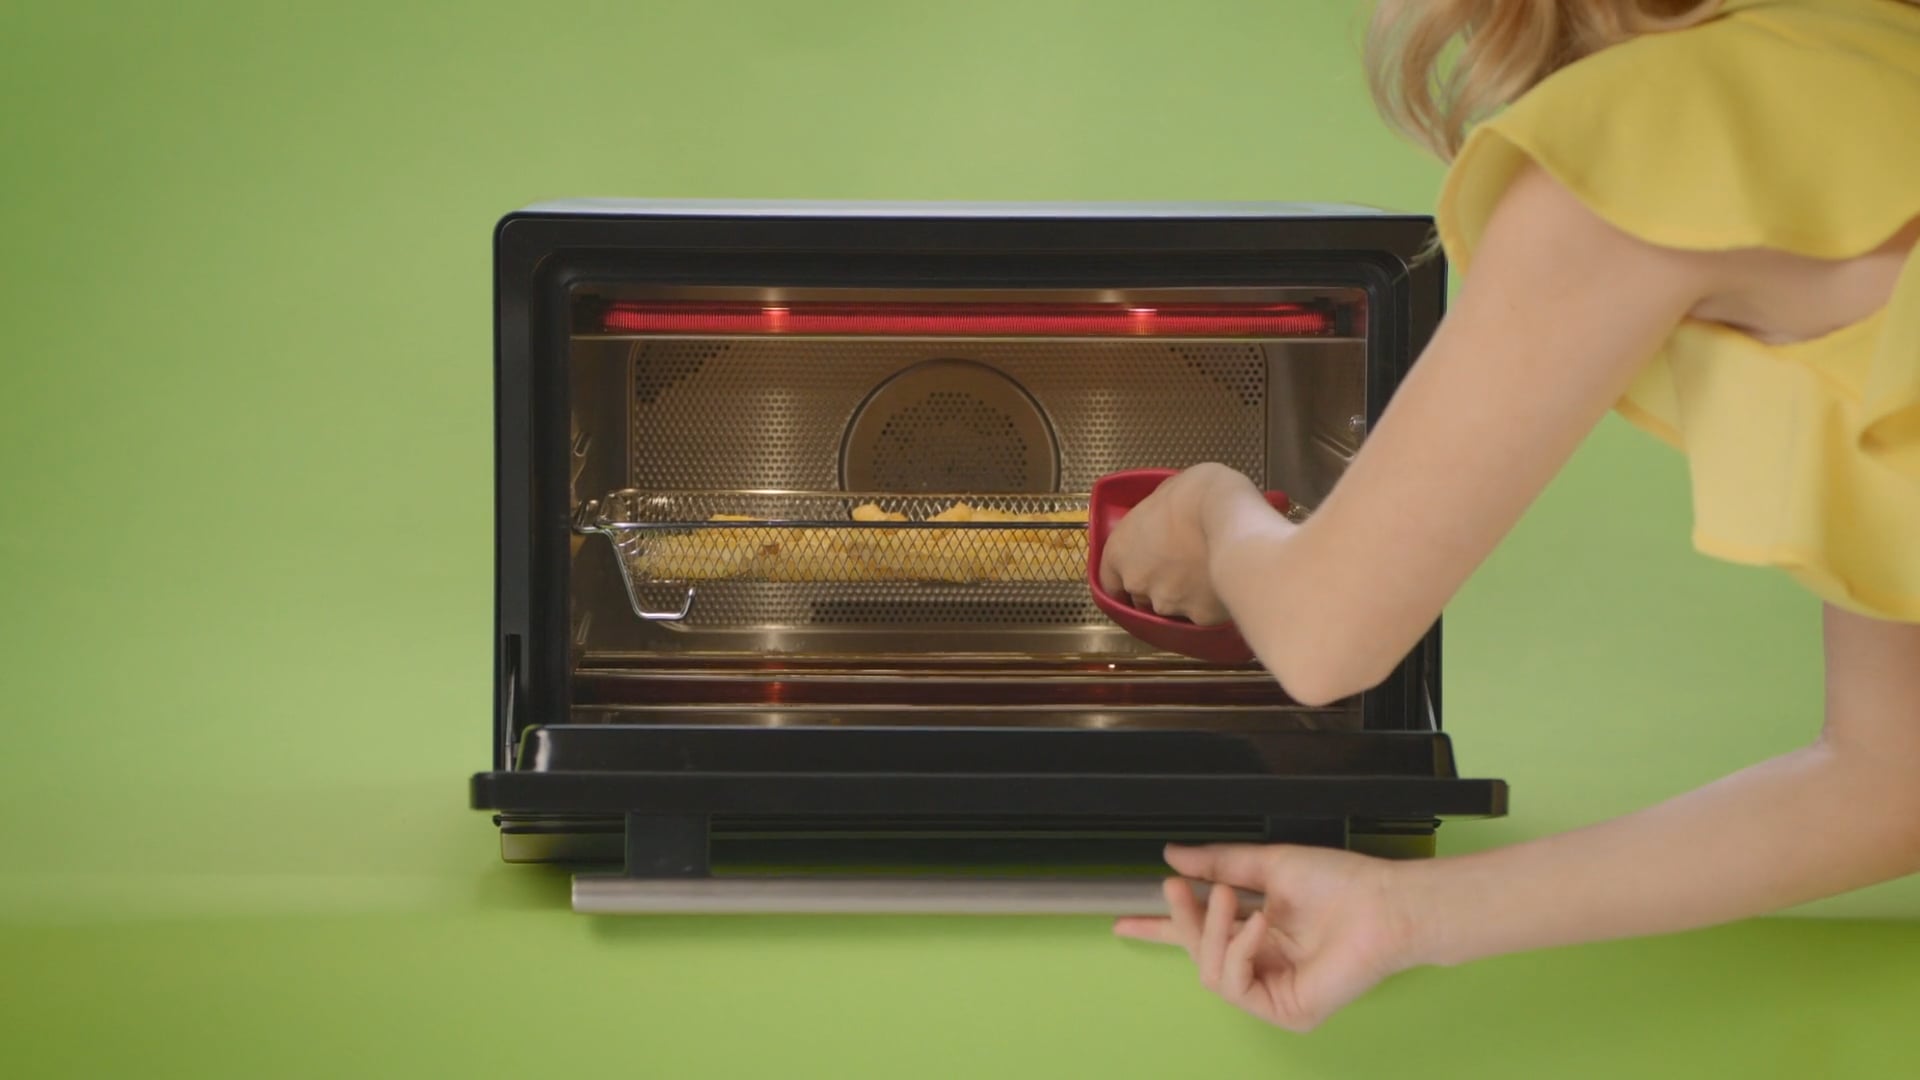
(791, 588)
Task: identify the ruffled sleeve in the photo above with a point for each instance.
(1790, 126)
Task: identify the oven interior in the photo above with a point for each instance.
(801, 507)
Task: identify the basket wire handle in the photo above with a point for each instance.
(686, 606)
(589, 522)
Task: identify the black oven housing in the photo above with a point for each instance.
(667, 799)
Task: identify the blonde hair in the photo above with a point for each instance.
(1505, 48)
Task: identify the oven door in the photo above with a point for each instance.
(778, 818)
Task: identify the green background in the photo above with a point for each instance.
(244, 563)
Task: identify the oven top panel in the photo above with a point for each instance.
(777, 208)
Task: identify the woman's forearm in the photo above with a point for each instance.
(1835, 816)
(1800, 827)
(1307, 614)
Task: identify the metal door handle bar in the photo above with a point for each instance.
(612, 894)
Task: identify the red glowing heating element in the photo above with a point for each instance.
(969, 320)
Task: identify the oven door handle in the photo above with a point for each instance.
(614, 894)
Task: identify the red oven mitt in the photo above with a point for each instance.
(1113, 496)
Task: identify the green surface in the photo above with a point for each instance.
(244, 563)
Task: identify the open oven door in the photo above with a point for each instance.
(706, 819)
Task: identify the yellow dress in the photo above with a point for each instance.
(1786, 124)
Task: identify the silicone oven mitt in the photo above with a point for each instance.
(1113, 496)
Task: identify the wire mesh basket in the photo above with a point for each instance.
(693, 538)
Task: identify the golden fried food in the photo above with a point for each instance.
(939, 553)
(872, 512)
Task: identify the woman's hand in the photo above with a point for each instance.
(1157, 555)
(1333, 925)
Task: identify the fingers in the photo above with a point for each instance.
(1184, 916)
(1236, 964)
(1157, 931)
(1229, 953)
(1200, 613)
(1215, 932)
(1207, 613)
(1153, 579)
(1245, 865)
(1255, 985)
(1163, 931)
(1225, 950)
(1183, 925)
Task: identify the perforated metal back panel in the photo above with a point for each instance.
(710, 414)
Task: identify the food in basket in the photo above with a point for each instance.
(940, 553)
(872, 512)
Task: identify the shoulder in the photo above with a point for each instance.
(1760, 54)
(1773, 125)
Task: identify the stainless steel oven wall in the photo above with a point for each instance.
(1316, 414)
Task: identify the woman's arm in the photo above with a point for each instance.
(1558, 314)
(1839, 815)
